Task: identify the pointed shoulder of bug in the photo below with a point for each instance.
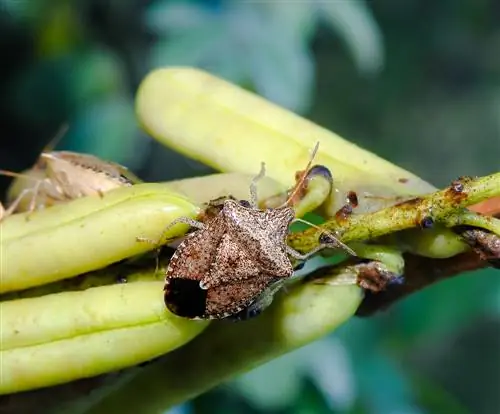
(279, 220)
(198, 247)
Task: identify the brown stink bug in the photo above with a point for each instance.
(235, 260)
(60, 176)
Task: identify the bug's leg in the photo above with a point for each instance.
(12, 207)
(253, 185)
(255, 309)
(327, 239)
(184, 220)
(300, 256)
(323, 245)
(157, 261)
(32, 205)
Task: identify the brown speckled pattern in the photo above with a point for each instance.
(238, 255)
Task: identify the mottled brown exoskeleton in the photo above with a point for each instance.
(235, 261)
(60, 176)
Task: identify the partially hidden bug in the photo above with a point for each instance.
(234, 262)
(60, 176)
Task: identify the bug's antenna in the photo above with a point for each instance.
(329, 234)
(49, 147)
(13, 174)
(253, 185)
(61, 132)
(302, 178)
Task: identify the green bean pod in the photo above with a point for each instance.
(66, 336)
(87, 234)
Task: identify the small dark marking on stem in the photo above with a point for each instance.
(456, 191)
(457, 186)
(346, 210)
(427, 222)
(352, 199)
(343, 213)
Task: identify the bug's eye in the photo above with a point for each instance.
(184, 297)
(245, 203)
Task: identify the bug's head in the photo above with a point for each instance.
(245, 203)
(231, 204)
(280, 218)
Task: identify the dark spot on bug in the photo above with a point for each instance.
(403, 180)
(352, 199)
(184, 297)
(427, 222)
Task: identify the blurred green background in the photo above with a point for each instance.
(416, 81)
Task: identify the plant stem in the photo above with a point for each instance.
(439, 206)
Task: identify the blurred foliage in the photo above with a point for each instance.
(416, 81)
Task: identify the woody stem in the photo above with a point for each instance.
(445, 206)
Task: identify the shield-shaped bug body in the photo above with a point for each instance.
(60, 176)
(75, 175)
(235, 261)
(220, 269)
